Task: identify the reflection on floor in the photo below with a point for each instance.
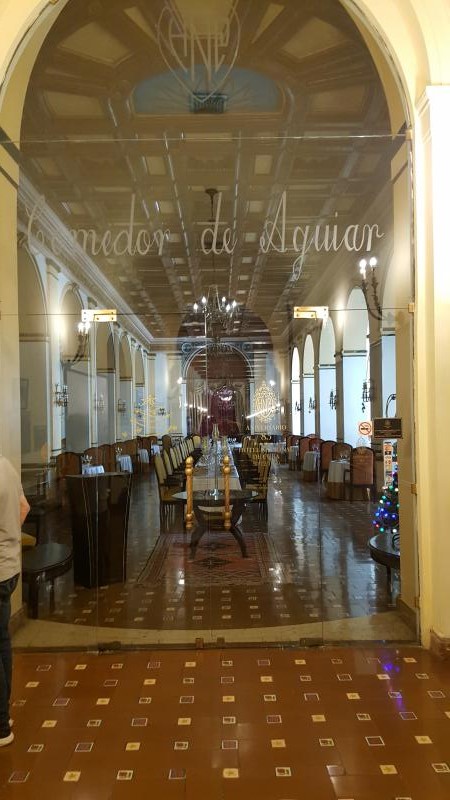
(308, 574)
(367, 724)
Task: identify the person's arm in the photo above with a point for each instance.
(24, 508)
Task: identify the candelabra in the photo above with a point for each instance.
(333, 399)
(61, 395)
(311, 405)
(367, 394)
(121, 406)
(375, 310)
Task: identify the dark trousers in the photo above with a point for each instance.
(6, 590)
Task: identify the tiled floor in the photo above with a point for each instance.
(272, 724)
(309, 567)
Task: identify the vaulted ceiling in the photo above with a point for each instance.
(110, 114)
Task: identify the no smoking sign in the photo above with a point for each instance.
(365, 428)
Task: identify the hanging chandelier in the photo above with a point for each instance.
(219, 312)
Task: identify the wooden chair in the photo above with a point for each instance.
(326, 455)
(67, 463)
(96, 455)
(262, 485)
(166, 441)
(361, 474)
(109, 457)
(303, 447)
(167, 503)
(341, 450)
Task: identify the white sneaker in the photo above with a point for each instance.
(7, 740)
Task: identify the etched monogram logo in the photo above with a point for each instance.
(199, 53)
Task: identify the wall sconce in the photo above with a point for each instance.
(121, 406)
(161, 411)
(333, 399)
(99, 403)
(298, 407)
(138, 411)
(311, 405)
(390, 399)
(368, 392)
(83, 339)
(371, 264)
(61, 395)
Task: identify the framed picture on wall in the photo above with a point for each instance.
(23, 394)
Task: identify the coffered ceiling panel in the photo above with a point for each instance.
(128, 121)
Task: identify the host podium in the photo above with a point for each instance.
(99, 511)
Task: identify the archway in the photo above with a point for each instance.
(125, 399)
(74, 354)
(295, 393)
(105, 387)
(251, 209)
(309, 397)
(327, 381)
(218, 389)
(358, 391)
(34, 397)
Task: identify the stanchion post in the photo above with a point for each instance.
(226, 484)
(189, 492)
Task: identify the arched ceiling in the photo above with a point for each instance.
(90, 142)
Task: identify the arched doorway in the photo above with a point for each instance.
(218, 389)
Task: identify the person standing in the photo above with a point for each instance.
(14, 508)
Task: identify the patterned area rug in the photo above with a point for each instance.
(218, 561)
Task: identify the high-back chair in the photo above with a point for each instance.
(166, 441)
(95, 454)
(361, 474)
(262, 485)
(303, 447)
(167, 502)
(109, 457)
(341, 450)
(326, 455)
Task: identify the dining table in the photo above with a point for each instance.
(336, 475)
(311, 461)
(91, 469)
(124, 463)
(207, 503)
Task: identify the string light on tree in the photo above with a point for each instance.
(386, 517)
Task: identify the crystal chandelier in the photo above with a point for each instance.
(219, 312)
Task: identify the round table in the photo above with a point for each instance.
(335, 482)
(310, 465)
(383, 552)
(42, 563)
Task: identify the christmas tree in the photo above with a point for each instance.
(386, 519)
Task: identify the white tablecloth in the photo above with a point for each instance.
(310, 461)
(335, 483)
(336, 471)
(144, 457)
(87, 469)
(124, 463)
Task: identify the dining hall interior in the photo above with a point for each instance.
(224, 382)
(247, 229)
